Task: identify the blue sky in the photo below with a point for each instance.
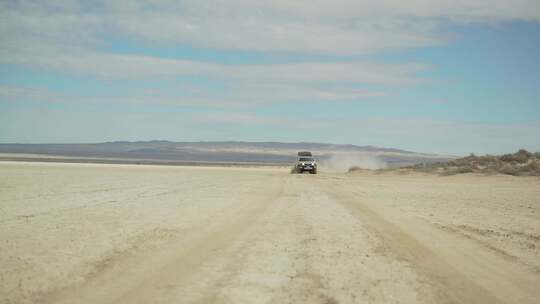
(438, 76)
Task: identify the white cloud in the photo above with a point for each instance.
(67, 35)
(17, 93)
(335, 27)
(247, 94)
(246, 119)
(244, 84)
(70, 36)
(134, 66)
(313, 26)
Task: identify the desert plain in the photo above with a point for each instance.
(104, 233)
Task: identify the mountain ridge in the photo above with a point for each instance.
(218, 151)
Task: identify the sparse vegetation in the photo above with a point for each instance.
(355, 168)
(521, 163)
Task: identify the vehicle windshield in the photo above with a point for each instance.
(305, 159)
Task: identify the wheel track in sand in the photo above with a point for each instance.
(480, 276)
(153, 277)
(136, 278)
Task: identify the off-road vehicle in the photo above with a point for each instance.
(305, 162)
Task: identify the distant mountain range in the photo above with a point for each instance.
(226, 152)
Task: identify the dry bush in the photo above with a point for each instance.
(520, 157)
(521, 163)
(354, 168)
(457, 170)
(465, 169)
(509, 170)
(533, 168)
(488, 160)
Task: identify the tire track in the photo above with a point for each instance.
(306, 249)
(448, 282)
(151, 277)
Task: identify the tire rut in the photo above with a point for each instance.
(449, 285)
(151, 277)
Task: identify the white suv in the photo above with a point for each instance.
(305, 162)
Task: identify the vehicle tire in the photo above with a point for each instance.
(314, 171)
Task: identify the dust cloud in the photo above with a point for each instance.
(343, 162)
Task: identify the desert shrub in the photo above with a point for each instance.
(522, 162)
(509, 170)
(507, 157)
(459, 162)
(488, 160)
(440, 165)
(535, 169)
(525, 153)
(523, 170)
(448, 172)
(490, 171)
(456, 170)
(355, 168)
(532, 168)
(521, 157)
(465, 169)
(471, 157)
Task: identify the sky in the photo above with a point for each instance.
(446, 76)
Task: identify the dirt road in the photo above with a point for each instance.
(72, 233)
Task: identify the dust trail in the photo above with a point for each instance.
(342, 162)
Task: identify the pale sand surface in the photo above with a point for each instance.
(89, 233)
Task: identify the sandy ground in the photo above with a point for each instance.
(76, 233)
